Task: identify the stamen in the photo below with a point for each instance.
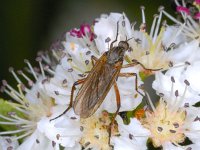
(41, 67)
(172, 87)
(47, 68)
(160, 9)
(150, 102)
(22, 136)
(143, 14)
(30, 82)
(8, 118)
(153, 25)
(31, 69)
(13, 131)
(4, 82)
(11, 70)
(55, 55)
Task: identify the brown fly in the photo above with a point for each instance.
(100, 79)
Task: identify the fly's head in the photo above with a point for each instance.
(117, 53)
(124, 45)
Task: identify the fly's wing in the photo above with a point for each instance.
(95, 88)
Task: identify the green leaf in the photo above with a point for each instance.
(5, 108)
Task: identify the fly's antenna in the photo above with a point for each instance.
(111, 45)
(129, 39)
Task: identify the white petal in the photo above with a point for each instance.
(163, 84)
(170, 146)
(76, 147)
(186, 52)
(63, 130)
(192, 75)
(133, 135)
(123, 143)
(6, 143)
(173, 35)
(193, 134)
(37, 141)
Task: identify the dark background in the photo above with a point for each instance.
(27, 26)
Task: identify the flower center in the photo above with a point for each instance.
(165, 124)
(96, 132)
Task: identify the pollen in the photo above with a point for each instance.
(72, 46)
(96, 132)
(165, 124)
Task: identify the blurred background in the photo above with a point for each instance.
(27, 26)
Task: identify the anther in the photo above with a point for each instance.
(172, 79)
(87, 144)
(161, 8)
(187, 63)
(176, 125)
(176, 93)
(172, 131)
(160, 129)
(155, 15)
(8, 140)
(197, 118)
(11, 69)
(58, 136)
(161, 94)
(39, 59)
(130, 136)
(53, 143)
(87, 62)
(10, 148)
(107, 39)
(171, 64)
(142, 7)
(187, 82)
(11, 113)
(37, 141)
(2, 89)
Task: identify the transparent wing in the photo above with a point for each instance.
(95, 88)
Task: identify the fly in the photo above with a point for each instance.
(100, 79)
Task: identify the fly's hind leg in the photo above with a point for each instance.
(71, 98)
(117, 111)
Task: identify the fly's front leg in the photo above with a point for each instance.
(71, 98)
(94, 59)
(136, 80)
(117, 111)
(135, 62)
(111, 45)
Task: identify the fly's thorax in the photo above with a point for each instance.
(115, 55)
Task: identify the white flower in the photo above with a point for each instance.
(165, 125)
(184, 80)
(36, 108)
(190, 26)
(92, 132)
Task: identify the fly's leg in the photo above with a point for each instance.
(136, 80)
(117, 111)
(135, 62)
(111, 45)
(71, 98)
(94, 59)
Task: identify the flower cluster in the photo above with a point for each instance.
(103, 108)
